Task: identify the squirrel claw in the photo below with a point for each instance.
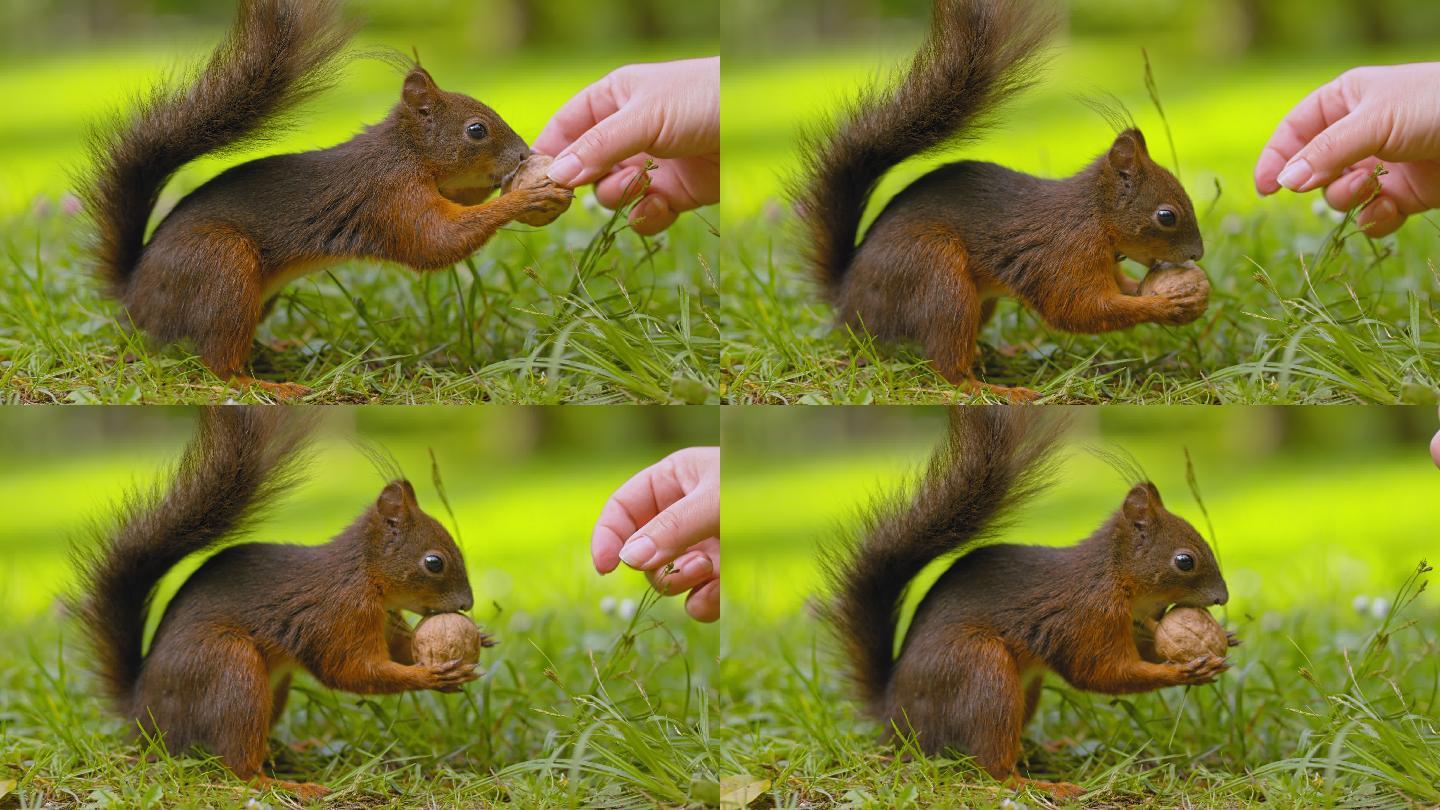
(1203, 670)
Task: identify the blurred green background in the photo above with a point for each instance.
(526, 485)
(66, 62)
(1307, 503)
(1226, 70)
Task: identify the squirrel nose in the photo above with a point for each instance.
(1197, 254)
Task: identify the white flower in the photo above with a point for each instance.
(1361, 604)
(627, 609)
(607, 605)
(1379, 607)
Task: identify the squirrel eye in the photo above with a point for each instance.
(1166, 217)
(476, 130)
(1184, 562)
(434, 564)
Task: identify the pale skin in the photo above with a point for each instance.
(665, 113)
(1335, 137)
(1338, 134)
(665, 521)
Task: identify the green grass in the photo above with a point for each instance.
(524, 320)
(582, 703)
(575, 709)
(532, 317)
(1283, 325)
(1323, 707)
(1331, 702)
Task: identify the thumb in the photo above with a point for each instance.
(684, 523)
(1321, 161)
(611, 140)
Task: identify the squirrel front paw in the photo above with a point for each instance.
(1183, 289)
(1202, 670)
(543, 203)
(1184, 306)
(449, 676)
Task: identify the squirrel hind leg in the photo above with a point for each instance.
(962, 693)
(226, 702)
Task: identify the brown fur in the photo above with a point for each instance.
(967, 676)
(236, 241)
(218, 670)
(931, 266)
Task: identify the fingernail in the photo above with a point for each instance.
(637, 552)
(697, 567)
(565, 170)
(1296, 176)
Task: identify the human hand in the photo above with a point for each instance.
(666, 113)
(667, 513)
(1337, 135)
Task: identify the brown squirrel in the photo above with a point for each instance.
(218, 669)
(969, 671)
(410, 189)
(943, 250)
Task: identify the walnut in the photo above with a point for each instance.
(1186, 633)
(533, 172)
(445, 637)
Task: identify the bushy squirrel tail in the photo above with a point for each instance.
(978, 54)
(278, 54)
(994, 458)
(240, 461)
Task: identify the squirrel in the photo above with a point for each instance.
(969, 671)
(944, 249)
(218, 669)
(411, 189)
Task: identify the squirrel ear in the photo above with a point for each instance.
(420, 90)
(1126, 152)
(1141, 505)
(394, 501)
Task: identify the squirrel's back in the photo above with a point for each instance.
(994, 458)
(978, 53)
(278, 54)
(241, 460)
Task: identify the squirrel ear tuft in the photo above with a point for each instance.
(420, 90)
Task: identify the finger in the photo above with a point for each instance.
(635, 503)
(1309, 118)
(690, 570)
(1380, 218)
(630, 131)
(612, 189)
(576, 116)
(652, 215)
(703, 604)
(670, 533)
(1349, 140)
(1353, 188)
